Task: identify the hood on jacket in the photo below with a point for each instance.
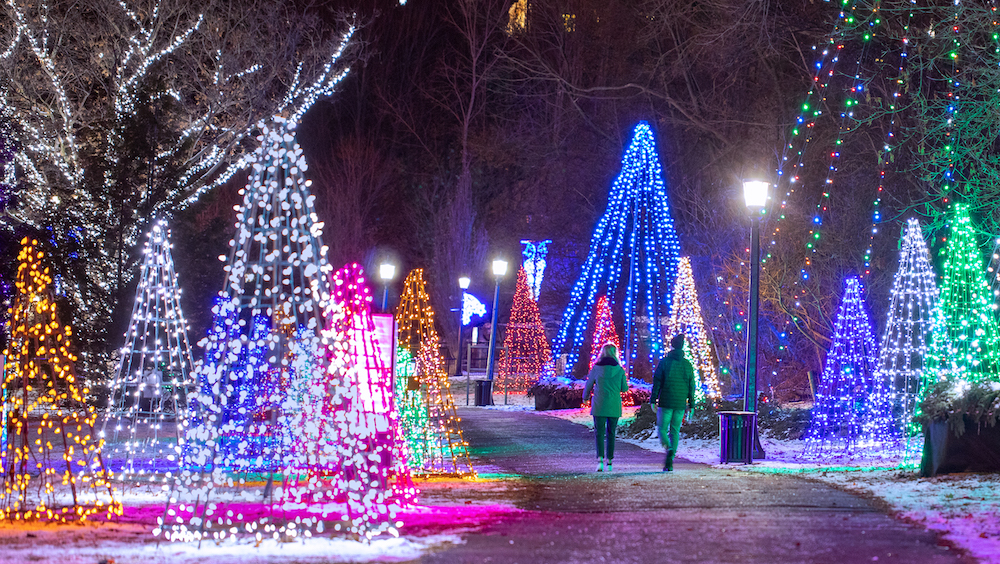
(606, 361)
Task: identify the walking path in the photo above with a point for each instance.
(640, 514)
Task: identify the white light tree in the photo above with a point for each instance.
(147, 403)
(127, 110)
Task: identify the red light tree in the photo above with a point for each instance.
(604, 329)
(526, 353)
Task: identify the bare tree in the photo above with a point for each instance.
(127, 111)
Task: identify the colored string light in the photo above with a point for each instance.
(965, 345)
(837, 424)
(637, 230)
(148, 396)
(53, 469)
(534, 264)
(428, 416)
(525, 356)
(604, 330)
(686, 318)
(904, 344)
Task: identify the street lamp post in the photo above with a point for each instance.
(499, 270)
(386, 272)
(755, 196)
(463, 283)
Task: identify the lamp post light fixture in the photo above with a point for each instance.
(755, 196)
(499, 270)
(386, 272)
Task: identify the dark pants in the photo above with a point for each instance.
(605, 426)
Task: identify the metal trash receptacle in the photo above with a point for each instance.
(736, 436)
(484, 392)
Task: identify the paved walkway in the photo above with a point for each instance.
(639, 514)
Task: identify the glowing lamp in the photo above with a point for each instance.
(464, 282)
(755, 193)
(499, 267)
(386, 271)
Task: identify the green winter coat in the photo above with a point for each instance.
(607, 381)
(673, 382)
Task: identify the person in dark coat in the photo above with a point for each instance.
(606, 381)
(673, 394)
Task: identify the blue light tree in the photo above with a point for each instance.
(633, 258)
(839, 411)
(904, 343)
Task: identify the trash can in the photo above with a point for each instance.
(484, 392)
(736, 434)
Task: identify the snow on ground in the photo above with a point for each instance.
(964, 508)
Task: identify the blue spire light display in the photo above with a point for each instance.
(534, 264)
(904, 343)
(636, 232)
(839, 411)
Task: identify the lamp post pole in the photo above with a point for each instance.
(755, 193)
(463, 283)
(499, 269)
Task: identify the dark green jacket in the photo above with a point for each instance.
(673, 382)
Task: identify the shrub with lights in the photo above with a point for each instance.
(427, 409)
(525, 356)
(52, 467)
(837, 426)
(912, 301)
(148, 396)
(636, 231)
(686, 318)
(275, 363)
(964, 346)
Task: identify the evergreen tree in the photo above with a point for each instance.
(526, 354)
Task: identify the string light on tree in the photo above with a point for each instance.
(262, 390)
(604, 330)
(686, 318)
(636, 231)
(964, 345)
(148, 400)
(847, 380)
(427, 409)
(52, 466)
(912, 301)
(526, 354)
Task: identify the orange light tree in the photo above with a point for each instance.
(427, 412)
(525, 354)
(52, 467)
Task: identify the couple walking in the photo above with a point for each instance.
(673, 393)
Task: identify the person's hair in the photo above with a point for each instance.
(609, 351)
(678, 341)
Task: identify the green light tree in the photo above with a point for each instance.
(964, 337)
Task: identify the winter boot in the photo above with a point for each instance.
(668, 462)
(610, 462)
(600, 465)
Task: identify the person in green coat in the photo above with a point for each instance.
(673, 394)
(606, 381)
